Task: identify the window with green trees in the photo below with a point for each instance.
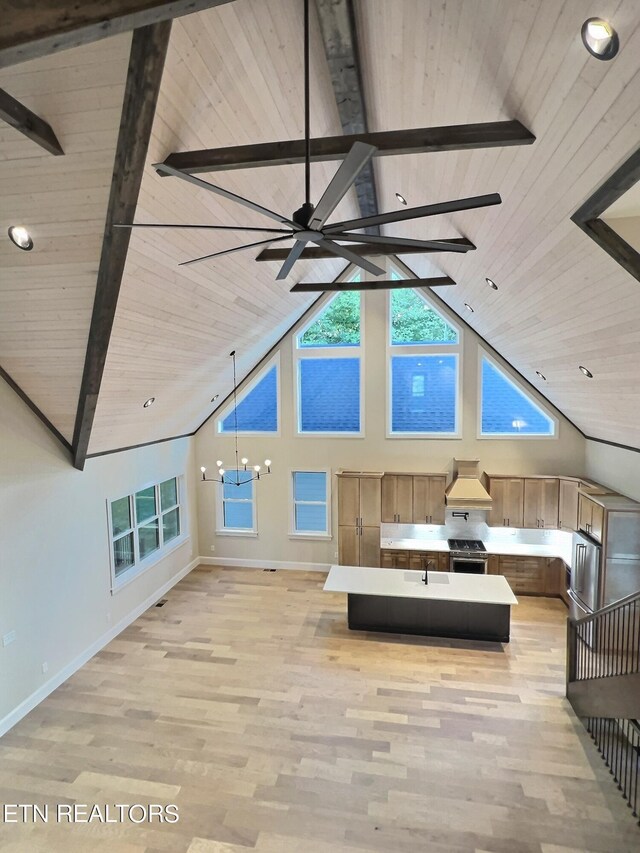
(413, 321)
(337, 326)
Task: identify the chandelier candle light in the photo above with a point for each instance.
(241, 464)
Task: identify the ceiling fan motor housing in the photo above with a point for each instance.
(302, 216)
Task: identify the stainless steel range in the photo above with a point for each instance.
(468, 555)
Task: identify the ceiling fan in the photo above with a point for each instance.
(309, 224)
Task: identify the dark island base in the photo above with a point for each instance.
(429, 618)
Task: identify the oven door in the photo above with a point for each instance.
(475, 565)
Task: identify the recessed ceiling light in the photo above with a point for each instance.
(213, 399)
(20, 237)
(541, 375)
(401, 198)
(491, 283)
(586, 372)
(149, 402)
(600, 39)
(468, 307)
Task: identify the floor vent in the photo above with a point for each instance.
(268, 570)
(162, 602)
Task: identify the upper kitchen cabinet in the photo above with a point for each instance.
(568, 505)
(590, 517)
(507, 501)
(541, 497)
(397, 498)
(428, 499)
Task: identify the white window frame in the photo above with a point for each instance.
(324, 535)
(221, 530)
(425, 351)
(142, 565)
(244, 391)
(510, 376)
(300, 353)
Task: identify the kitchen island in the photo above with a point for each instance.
(469, 607)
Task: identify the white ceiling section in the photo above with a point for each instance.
(46, 295)
(233, 75)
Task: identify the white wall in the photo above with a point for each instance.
(375, 452)
(54, 549)
(614, 467)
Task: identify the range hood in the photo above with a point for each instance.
(466, 491)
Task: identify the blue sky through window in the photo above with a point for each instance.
(257, 410)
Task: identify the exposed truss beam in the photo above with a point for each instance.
(32, 28)
(315, 252)
(28, 123)
(37, 412)
(146, 62)
(385, 284)
(339, 34)
(495, 134)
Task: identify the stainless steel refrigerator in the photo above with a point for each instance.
(603, 575)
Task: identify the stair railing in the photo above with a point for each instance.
(606, 645)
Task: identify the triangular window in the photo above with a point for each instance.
(415, 322)
(337, 326)
(506, 409)
(257, 407)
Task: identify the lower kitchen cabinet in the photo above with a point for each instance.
(436, 561)
(533, 575)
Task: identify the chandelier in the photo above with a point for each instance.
(242, 465)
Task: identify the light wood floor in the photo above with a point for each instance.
(246, 701)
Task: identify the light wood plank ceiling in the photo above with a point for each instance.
(234, 75)
(46, 295)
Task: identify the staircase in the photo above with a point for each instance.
(603, 687)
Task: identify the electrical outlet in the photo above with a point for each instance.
(45, 667)
(213, 547)
(7, 639)
(335, 555)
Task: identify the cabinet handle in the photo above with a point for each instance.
(542, 522)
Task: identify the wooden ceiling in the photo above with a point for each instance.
(233, 75)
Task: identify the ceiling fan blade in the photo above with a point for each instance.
(343, 252)
(208, 227)
(292, 257)
(416, 212)
(402, 242)
(235, 249)
(386, 284)
(350, 168)
(198, 182)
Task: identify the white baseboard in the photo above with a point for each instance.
(238, 562)
(42, 692)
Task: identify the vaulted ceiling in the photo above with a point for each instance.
(233, 75)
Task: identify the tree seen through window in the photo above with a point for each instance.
(338, 325)
(415, 322)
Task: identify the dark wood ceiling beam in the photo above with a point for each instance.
(146, 63)
(37, 412)
(385, 284)
(315, 252)
(421, 140)
(28, 123)
(340, 37)
(32, 28)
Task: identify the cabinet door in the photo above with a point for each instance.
(497, 515)
(549, 499)
(568, 505)
(436, 505)
(597, 521)
(443, 561)
(404, 499)
(493, 567)
(386, 559)
(348, 502)
(389, 490)
(585, 513)
(370, 502)
(554, 576)
(514, 501)
(420, 500)
(525, 575)
(532, 502)
(369, 546)
(417, 561)
(348, 545)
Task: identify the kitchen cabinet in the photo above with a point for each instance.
(568, 505)
(359, 512)
(525, 575)
(541, 495)
(437, 561)
(397, 498)
(507, 497)
(428, 499)
(590, 517)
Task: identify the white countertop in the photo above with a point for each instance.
(505, 548)
(442, 586)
